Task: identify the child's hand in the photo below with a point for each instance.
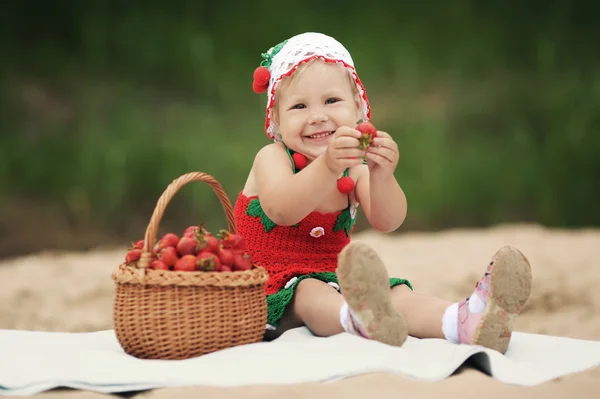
(343, 150)
(382, 156)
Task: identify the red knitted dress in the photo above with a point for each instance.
(310, 246)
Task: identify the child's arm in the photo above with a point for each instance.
(383, 201)
(380, 195)
(287, 198)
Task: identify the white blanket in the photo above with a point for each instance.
(32, 362)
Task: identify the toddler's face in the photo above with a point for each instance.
(310, 108)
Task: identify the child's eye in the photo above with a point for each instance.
(298, 106)
(332, 100)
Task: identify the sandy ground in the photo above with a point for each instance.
(73, 292)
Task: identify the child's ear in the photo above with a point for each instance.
(275, 113)
(358, 104)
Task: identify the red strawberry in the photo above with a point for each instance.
(137, 245)
(158, 265)
(186, 263)
(227, 257)
(187, 246)
(369, 133)
(133, 255)
(207, 242)
(208, 262)
(242, 262)
(168, 256)
(168, 240)
(191, 231)
(234, 242)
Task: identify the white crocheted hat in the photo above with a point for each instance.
(283, 59)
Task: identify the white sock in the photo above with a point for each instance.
(450, 323)
(450, 318)
(476, 305)
(345, 319)
(348, 322)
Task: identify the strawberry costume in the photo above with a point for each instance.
(293, 253)
(311, 247)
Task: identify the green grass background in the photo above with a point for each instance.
(495, 107)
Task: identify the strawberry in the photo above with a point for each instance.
(187, 246)
(158, 265)
(168, 240)
(369, 132)
(187, 263)
(168, 256)
(133, 255)
(234, 242)
(227, 257)
(242, 262)
(137, 245)
(191, 231)
(208, 262)
(207, 242)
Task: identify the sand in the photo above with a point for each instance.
(73, 292)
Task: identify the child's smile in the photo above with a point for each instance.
(320, 137)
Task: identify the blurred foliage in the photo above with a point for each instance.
(104, 103)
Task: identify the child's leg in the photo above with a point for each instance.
(484, 318)
(423, 314)
(317, 305)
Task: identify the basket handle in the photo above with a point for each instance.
(165, 198)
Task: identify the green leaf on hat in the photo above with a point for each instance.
(268, 56)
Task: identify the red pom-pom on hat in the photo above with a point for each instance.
(261, 76)
(259, 88)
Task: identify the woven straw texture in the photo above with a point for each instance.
(161, 314)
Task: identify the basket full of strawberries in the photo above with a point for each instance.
(191, 294)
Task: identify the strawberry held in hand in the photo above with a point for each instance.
(369, 132)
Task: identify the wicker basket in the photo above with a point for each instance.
(161, 314)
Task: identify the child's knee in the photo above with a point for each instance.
(401, 290)
(311, 285)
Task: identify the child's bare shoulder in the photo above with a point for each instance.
(271, 153)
